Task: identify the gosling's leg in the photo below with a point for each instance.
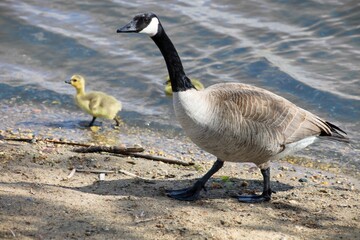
(92, 122)
(265, 196)
(117, 120)
(192, 193)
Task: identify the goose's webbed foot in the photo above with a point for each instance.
(193, 193)
(186, 194)
(264, 197)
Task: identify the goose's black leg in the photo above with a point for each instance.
(92, 122)
(265, 196)
(192, 193)
(117, 120)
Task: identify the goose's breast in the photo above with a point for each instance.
(83, 103)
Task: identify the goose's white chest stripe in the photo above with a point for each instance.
(192, 105)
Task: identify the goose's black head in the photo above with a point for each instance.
(142, 23)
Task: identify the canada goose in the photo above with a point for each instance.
(168, 90)
(97, 104)
(233, 121)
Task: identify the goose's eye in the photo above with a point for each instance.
(74, 80)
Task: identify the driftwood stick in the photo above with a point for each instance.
(110, 149)
(88, 148)
(66, 142)
(135, 176)
(134, 152)
(12, 232)
(20, 139)
(32, 140)
(146, 220)
(95, 171)
(161, 159)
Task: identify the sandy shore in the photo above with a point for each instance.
(39, 201)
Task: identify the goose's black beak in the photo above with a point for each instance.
(130, 27)
(68, 81)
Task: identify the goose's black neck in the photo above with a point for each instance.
(179, 80)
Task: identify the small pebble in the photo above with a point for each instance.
(102, 176)
(293, 202)
(244, 184)
(282, 168)
(303, 180)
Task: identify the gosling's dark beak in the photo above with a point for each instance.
(130, 27)
(68, 81)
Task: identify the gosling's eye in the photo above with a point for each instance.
(74, 80)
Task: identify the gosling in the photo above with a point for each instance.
(195, 82)
(97, 104)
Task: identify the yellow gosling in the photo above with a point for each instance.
(168, 90)
(97, 104)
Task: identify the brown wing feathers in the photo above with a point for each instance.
(281, 116)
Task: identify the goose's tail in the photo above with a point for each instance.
(335, 133)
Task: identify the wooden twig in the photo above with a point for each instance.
(94, 171)
(148, 180)
(71, 173)
(146, 220)
(2, 190)
(66, 142)
(33, 140)
(12, 232)
(110, 149)
(134, 152)
(162, 159)
(20, 139)
(88, 148)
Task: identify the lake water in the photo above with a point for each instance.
(306, 51)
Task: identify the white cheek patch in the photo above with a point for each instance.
(152, 28)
